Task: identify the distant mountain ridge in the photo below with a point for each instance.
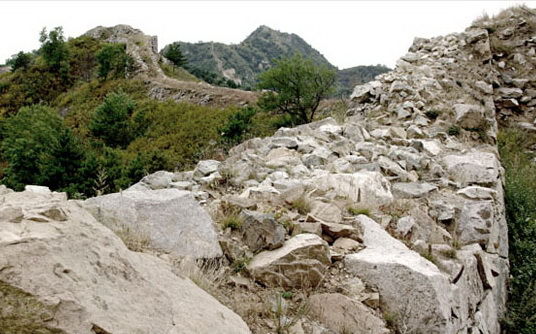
(241, 63)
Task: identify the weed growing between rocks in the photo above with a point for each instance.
(302, 205)
(359, 211)
(135, 240)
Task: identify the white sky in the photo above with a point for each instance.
(348, 33)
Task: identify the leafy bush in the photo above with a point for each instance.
(520, 190)
(453, 130)
(20, 61)
(40, 149)
(55, 51)
(359, 211)
(113, 61)
(432, 114)
(237, 125)
(115, 122)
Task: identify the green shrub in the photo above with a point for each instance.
(40, 149)
(55, 51)
(240, 264)
(113, 61)
(520, 190)
(359, 211)
(233, 222)
(432, 114)
(453, 130)
(115, 121)
(20, 61)
(302, 205)
(237, 125)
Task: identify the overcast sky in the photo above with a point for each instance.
(347, 33)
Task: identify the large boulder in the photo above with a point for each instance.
(409, 285)
(469, 116)
(367, 189)
(475, 222)
(345, 315)
(300, 263)
(476, 167)
(170, 218)
(261, 231)
(66, 273)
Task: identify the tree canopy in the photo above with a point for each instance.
(295, 86)
(55, 50)
(40, 149)
(174, 54)
(113, 61)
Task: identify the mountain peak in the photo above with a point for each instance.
(264, 31)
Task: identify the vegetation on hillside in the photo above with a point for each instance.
(348, 78)
(520, 196)
(97, 130)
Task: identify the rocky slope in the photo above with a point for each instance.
(417, 154)
(61, 271)
(390, 222)
(144, 50)
(244, 61)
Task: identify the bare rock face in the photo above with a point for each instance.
(345, 315)
(171, 219)
(300, 263)
(364, 188)
(261, 231)
(472, 168)
(66, 273)
(469, 116)
(409, 285)
(142, 48)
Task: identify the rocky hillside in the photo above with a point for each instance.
(348, 78)
(147, 66)
(392, 221)
(244, 61)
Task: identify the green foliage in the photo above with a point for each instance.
(453, 130)
(115, 122)
(113, 61)
(348, 78)
(20, 61)
(183, 133)
(237, 125)
(83, 57)
(302, 205)
(41, 83)
(177, 73)
(211, 77)
(296, 86)
(174, 54)
(40, 149)
(55, 51)
(287, 294)
(231, 221)
(240, 264)
(359, 211)
(432, 114)
(520, 190)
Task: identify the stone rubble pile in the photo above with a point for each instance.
(418, 154)
(398, 210)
